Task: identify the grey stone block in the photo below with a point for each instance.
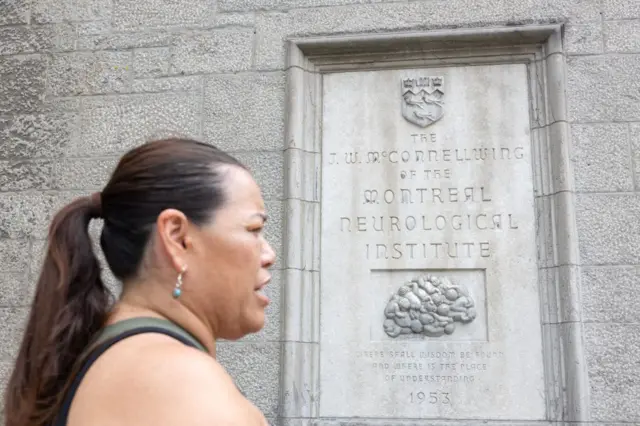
(245, 112)
(620, 9)
(66, 37)
(23, 174)
(114, 125)
(273, 28)
(601, 157)
(602, 88)
(635, 152)
(255, 367)
(14, 12)
(622, 36)
(212, 51)
(190, 83)
(268, 171)
(106, 41)
(13, 320)
(584, 39)
(14, 255)
(24, 214)
(16, 289)
(83, 174)
(72, 74)
(70, 10)
(152, 62)
(602, 284)
(608, 228)
(244, 5)
(613, 352)
(21, 92)
(158, 14)
(26, 39)
(35, 135)
(233, 19)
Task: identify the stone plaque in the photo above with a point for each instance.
(429, 296)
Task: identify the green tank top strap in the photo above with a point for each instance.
(123, 326)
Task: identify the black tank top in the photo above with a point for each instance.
(111, 335)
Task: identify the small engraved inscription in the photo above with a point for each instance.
(428, 305)
(422, 100)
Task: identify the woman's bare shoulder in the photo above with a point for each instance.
(157, 380)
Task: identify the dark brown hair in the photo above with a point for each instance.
(71, 301)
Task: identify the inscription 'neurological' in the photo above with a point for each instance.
(428, 305)
(422, 100)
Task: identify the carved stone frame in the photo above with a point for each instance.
(541, 49)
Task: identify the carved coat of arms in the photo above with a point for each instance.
(422, 100)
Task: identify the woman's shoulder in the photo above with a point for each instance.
(154, 379)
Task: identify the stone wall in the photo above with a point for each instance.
(81, 81)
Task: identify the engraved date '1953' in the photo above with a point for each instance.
(431, 398)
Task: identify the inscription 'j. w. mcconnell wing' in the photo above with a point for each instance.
(422, 100)
(428, 305)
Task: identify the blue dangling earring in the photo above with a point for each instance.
(177, 291)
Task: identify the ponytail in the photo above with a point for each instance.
(70, 305)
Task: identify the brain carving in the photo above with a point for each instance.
(428, 305)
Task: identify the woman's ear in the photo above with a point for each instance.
(173, 235)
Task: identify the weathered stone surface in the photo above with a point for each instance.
(21, 92)
(386, 220)
(152, 62)
(26, 39)
(267, 169)
(212, 51)
(13, 321)
(124, 41)
(14, 255)
(243, 5)
(601, 157)
(36, 135)
(24, 214)
(603, 88)
(71, 74)
(112, 126)
(130, 15)
(612, 357)
(622, 36)
(23, 174)
(70, 10)
(14, 12)
(608, 294)
(83, 174)
(608, 228)
(190, 83)
(584, 39)
(274, 27)
(620, 9)
(255, 367)
(233, 19)
(16, 289)
(245, 112)
(635, 152)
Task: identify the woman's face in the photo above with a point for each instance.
(230, 261)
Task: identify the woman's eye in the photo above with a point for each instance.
(256, 230)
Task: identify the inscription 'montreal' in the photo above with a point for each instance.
(422, 100)
(428, 305)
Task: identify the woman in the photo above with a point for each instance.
(182, 231)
